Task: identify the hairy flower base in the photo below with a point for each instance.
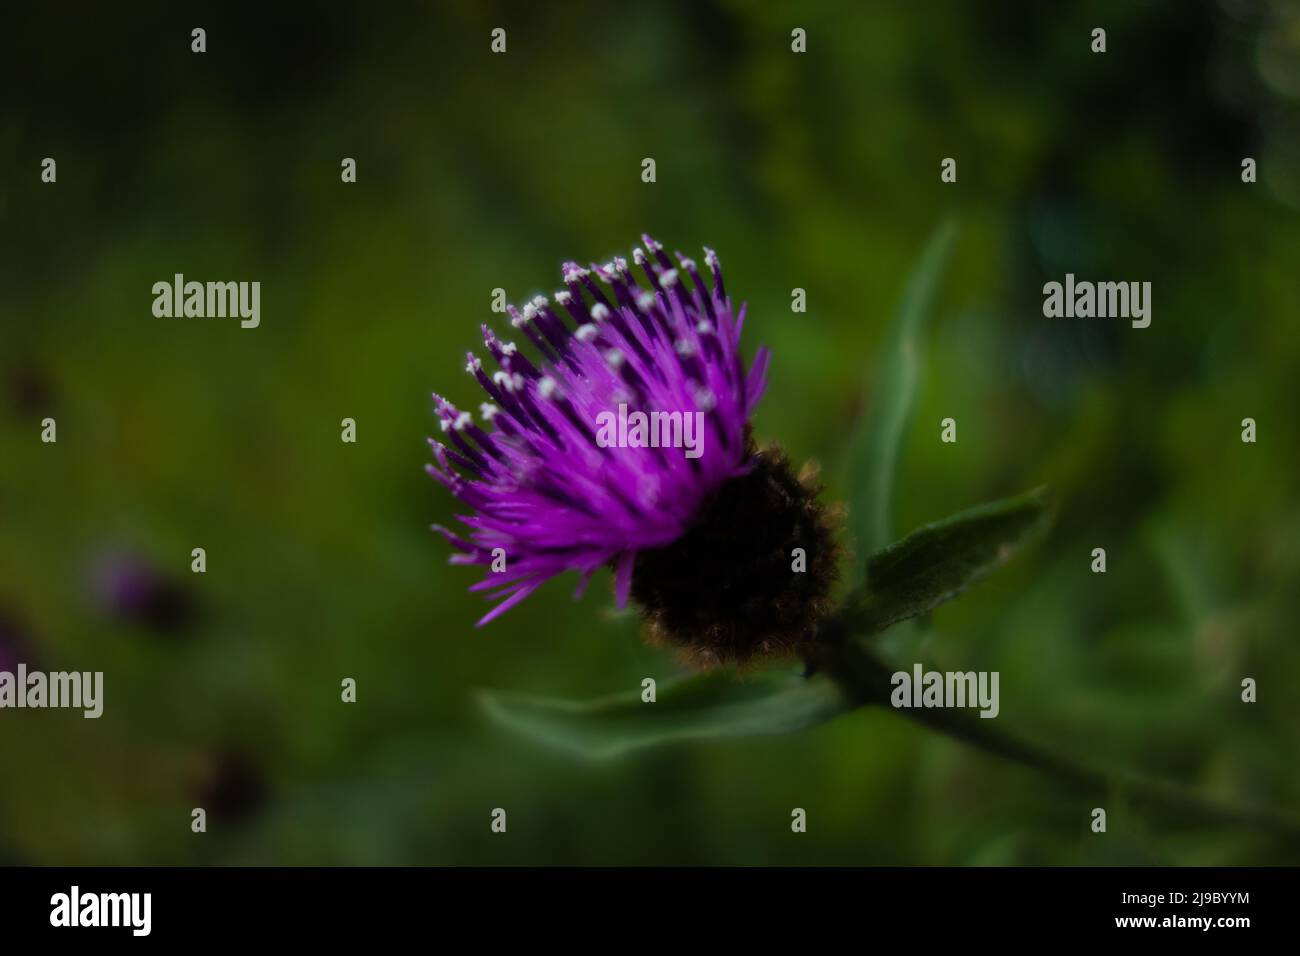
(733, 587)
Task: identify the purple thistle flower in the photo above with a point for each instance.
(15, 642)
(549, 491)
(127, 587)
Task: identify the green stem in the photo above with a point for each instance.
(867, 680)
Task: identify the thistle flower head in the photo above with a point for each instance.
(128, 587)
(15, 641)
(615, 442)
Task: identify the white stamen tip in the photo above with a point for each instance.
(473, 364)
(503, 379)
(705, 327)
(599, 312)
(705, 399)
(645, 300)
(488, 411)
(638, 257)
(685, 348)
(539, 301)
(651, 244)
(586, 332)
(711, 258)
(564, 296)
(620, 265)
(547, 387)
(530, 312)
(668, 279)
(509, 348)
(614, 357)
(462, 420)
(688, 264)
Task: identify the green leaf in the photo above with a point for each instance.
(876, 447)
(712, 705)
(937, 562)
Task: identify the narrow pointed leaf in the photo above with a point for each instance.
(877, 446)
(713, 705)
(937, 562)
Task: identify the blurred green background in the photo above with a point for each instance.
(475, 170)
